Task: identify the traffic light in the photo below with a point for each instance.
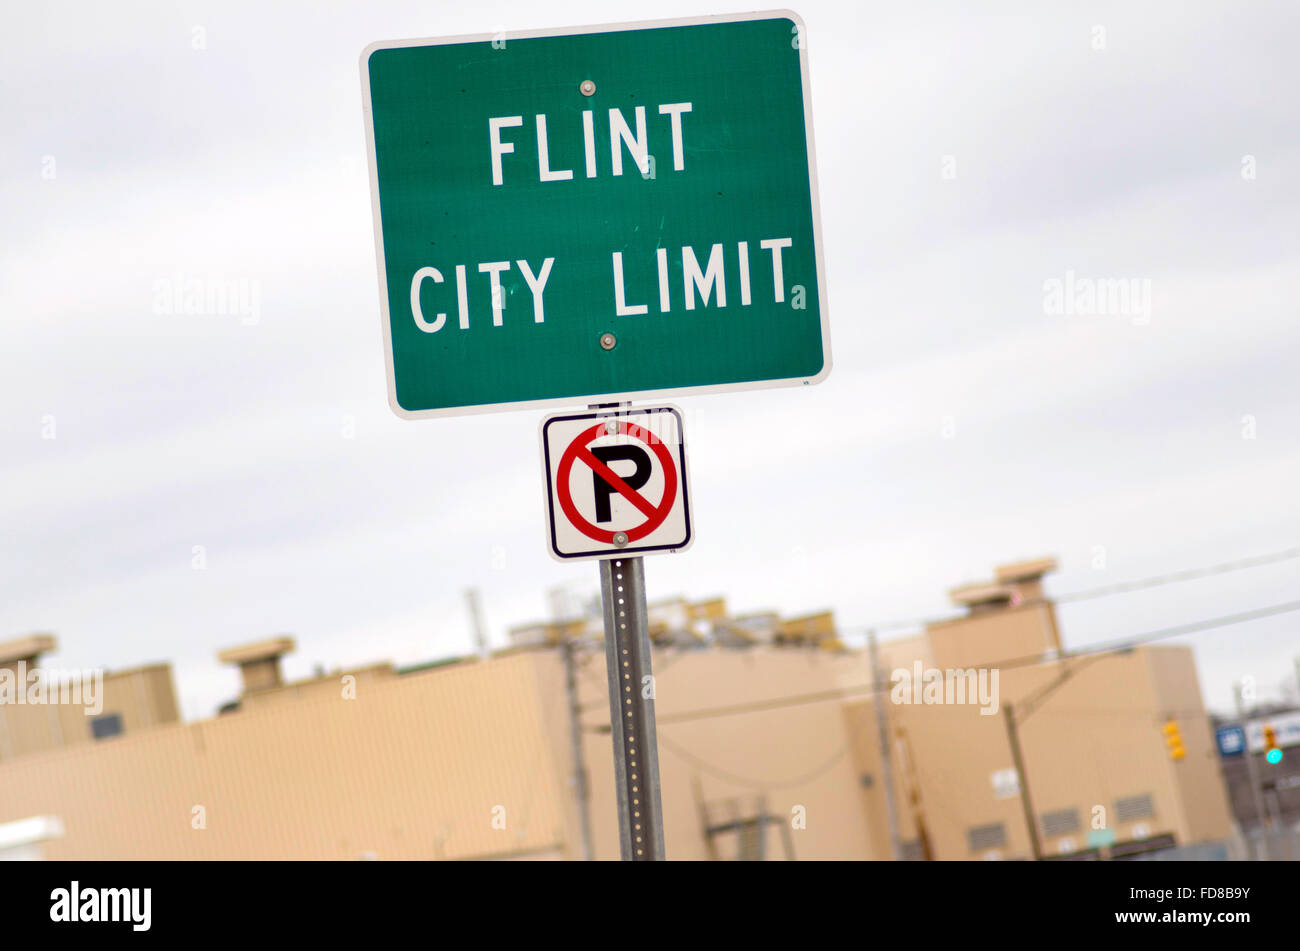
(1173, 740)
(1272, 752)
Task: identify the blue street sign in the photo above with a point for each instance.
(1231, 740)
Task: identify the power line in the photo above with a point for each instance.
(1094, 651)
(703, 765)
(1123, 587)
(1189, 575)
(1191, 628)
(1011, 663)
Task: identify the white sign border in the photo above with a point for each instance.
(617, 396)
(631, 551)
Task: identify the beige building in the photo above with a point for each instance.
(92, 705)
(1098, 769)
(768, 749)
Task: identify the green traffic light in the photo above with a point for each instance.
(1274, 756)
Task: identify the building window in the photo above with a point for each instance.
(987, 837)
(1134, 807)
(1061, 822)
(110, 724)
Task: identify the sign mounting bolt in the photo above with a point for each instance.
(608, 341)
(620, 539)
(611, 427)
(587, 88)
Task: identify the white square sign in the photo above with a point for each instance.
(616, 482)
(1006, 783)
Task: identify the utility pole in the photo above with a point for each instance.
(914, 794)
(1252, 774)
(476, 621)
(1274, 815)
(886, 764)
(561, 623)
(569, 646)
(1028, 705)
(1018, 759)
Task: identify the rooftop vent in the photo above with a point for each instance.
(26, 649)
(259, 663)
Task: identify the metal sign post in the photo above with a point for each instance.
(570, 215)
(632, 710)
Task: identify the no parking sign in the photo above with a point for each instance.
(616, 482)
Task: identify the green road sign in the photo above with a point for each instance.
(570, 216)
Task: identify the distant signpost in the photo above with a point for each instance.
(580, 216)
(1231, 740)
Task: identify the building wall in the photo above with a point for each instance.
(142, 697)
(1094, 741)
(860, 719)
(995, 636)
(419, 765)
(326, 686)
(1204, 797)
(788, 756)
(413, 768)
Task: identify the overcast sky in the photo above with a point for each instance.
(963, 425)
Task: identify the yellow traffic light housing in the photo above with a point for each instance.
(1173, 740)
(1272, 752)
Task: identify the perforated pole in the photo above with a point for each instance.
(632, 710)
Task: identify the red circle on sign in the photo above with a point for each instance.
(654, 518)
